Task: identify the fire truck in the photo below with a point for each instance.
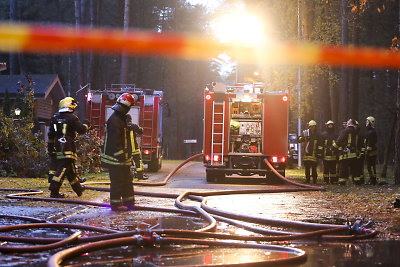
(244, 125)
(147, 113)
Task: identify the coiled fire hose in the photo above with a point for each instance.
(112, 238)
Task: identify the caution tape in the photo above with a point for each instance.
(52, 39)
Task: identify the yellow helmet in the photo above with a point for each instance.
(371, 120)
(312, 123)
(67, 104)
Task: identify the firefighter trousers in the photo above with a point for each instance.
(371, 167)
(138, 165)
(121, 187)
(66, 168)
(347, 166)
(310, 170)
(359, 179)
(52, 167)
(330, 171)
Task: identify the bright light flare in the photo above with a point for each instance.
(240, 27)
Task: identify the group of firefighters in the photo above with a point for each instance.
(120, 151)
(345, 151)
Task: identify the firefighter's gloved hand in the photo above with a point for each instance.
(87, 122)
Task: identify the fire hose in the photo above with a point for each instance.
(211, 215)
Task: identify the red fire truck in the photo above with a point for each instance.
(243, 125)
(147, 113)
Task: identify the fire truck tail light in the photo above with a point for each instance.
(208, 96)
(207, 157)
(147, 152)
(285, 98)
(216, 158)
(277, 159)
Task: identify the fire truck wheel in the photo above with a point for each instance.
(213, 176)
(272, 178)
(154, 165)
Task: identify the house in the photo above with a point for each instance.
(48, 93)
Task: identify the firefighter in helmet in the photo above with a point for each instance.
(360, 155)
(371, 150)
(312, 149)
(117, 155)
(64, 127)
(346, 144)
(329, 155)
(136, 154)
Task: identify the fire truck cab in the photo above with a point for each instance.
(147, 113)
(244, 125)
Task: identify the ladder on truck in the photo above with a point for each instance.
(217, 132)
(145, 119)
(94, 108)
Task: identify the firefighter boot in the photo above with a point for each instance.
(54, 190)
(119, 207)
(78, 188)
(342, 181)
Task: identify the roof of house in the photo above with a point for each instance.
(43, 84)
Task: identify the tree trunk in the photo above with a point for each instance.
(387, 149)
(397, 140)
(79, 95)
(343, 83)
(90, 57)
(124, 58)
(13, 17)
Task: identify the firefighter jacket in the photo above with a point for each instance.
(347, 143)
(119, 143)
(370, 142)
(64, 127)
(328, 138)
(312, 148)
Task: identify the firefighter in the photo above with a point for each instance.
(359, 179)
(117, 155)
(62, 133)
(312, 148)
(136, 154)
(346, 144)
(371, 149)
(329, 155)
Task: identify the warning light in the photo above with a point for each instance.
(208, 96)
(285, 98)
(274, 159)
(283, 159)
(216, 158)
(208, 157)
(89, 96)
(278, 159)
(146, 152)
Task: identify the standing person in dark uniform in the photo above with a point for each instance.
(62, 133)
(347, 144)
(371, 149)
(117, 155)
(360, 155)
(312, 147)
(136, 154)
(329, 155)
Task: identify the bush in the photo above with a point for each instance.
(22, 153)
(89, 152)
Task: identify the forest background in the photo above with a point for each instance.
(327, 93)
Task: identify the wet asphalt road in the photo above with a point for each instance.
(297, 206)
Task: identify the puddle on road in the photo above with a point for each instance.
(178, 256)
